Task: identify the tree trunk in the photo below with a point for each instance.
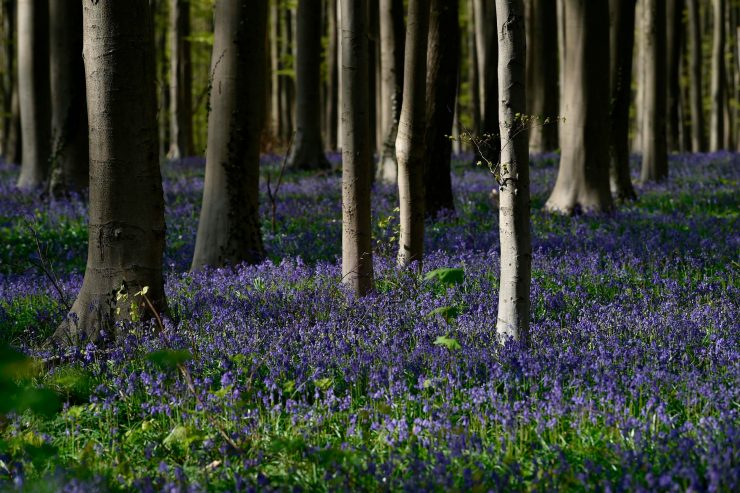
(33, 91)
(719, 92)
(560, 5)
(181, 82)
(542, 74)
(163, 114)
(698, 135)
(308, 150)
(490, 141)
(126, 227)
(673, 49)
(69, 131)
(443, 60)
(473, 74)
(654, 147)
(332, 86)
(482, 30)
(410, 140)
(622, 45)
(516, 242)
(12, 123)
(583, 177)
(391, 86)
(229, 226)
(357, 256)
(287, 82)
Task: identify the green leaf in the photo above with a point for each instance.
(447, 342)
(448, 312)
(39, 400)
(182, 436)
(446, 276)
(169, 359)
(72, 381)
(323, 383)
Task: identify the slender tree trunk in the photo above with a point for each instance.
(698, 135)
(583, 177)
(673, 49)
(622, 45)
(473, 74)
(287, 83)
(373, 33)
(332, 101)
(10, 105)
(638, 65)
(482, 30)
(69, 130)
(717, 122)
(357, 258)
(410, 140)
(542, 74)
(229, 226)
(443, 60)
(560, 5)
(181, 82)
(490, 139)
(308, 150)
(163, 115)
(33, 91)
(391, 87)
(654, 147)
(516, 242)
(14, 141)
(274, 76)
(126, 228)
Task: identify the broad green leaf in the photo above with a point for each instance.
(169, 359)
(447, 342)
(446, 276)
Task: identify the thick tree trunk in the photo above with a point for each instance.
(410, 140)
(69, 130)
(33, 91)
(583, 177)
(654, 148)
(719, 90)
(181, 82)
(357, 257)
(516, 241)
(674, 43)
(126, 228)
(229, 226)
(443, 60)
(542, 74)
(332, 86)
(622, 44)
(391, 86)
(308, 150)
(698, 135)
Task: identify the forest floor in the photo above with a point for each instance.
(272, 377)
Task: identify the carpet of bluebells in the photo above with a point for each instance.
(273, 377)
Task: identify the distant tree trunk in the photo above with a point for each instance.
(229, 226)
(673, 49)
(357, 256)
(443, 60)
(560, 4)
(392, 38)
(373, 33)
(516, 242)
(33, 91)
(698, 135)
(654, 147)
(181, 82)
(482, 30)
(717, 122)
(473, 74)
(491, 141)
(410, 140)
(583, 177)
(69, 130)
(622, 45)
(126, 228)
(542, 74)
(274, 20)
(12, 123)
(287, 83)
(332, 101)
(163, 115)
(308, 150)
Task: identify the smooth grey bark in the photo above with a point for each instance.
(70, 156)
(308, 150)
(126, 220)
(410, 139)
(583, 177)
(443, 59)
(654, 145)
(181, 82)
(33, 91)
(160, 9)
(674, 45)
(481, 30)
(487, 55)
(229, 226)
(392, 38)
(622, 30)
(11, 138)
(514, 202)
(332, 83)
(542, 74)
(719, 80)
(357, 256)
(274, 20)
(698, 134)
(473, 73)
(560, 5)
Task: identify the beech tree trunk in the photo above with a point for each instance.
(11, 139)
(443, 59)
(698, 134)
(274, 20)
(473, 75)
(542, 74)
(357, 256)
(410, 140)
(719, 90)
(654, 147)
(583, 177)
(70, 157)
(392, 38)
(332, 86)
(674, 44)
(308, 150)
(622, 45)
(33, 91)
(181, 82)
(491, 140)
(287, 83)
(229, 227)
(126, 226)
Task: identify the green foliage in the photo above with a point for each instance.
(17, 372)
(447, 342)
(446, 276)
(169, 359)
